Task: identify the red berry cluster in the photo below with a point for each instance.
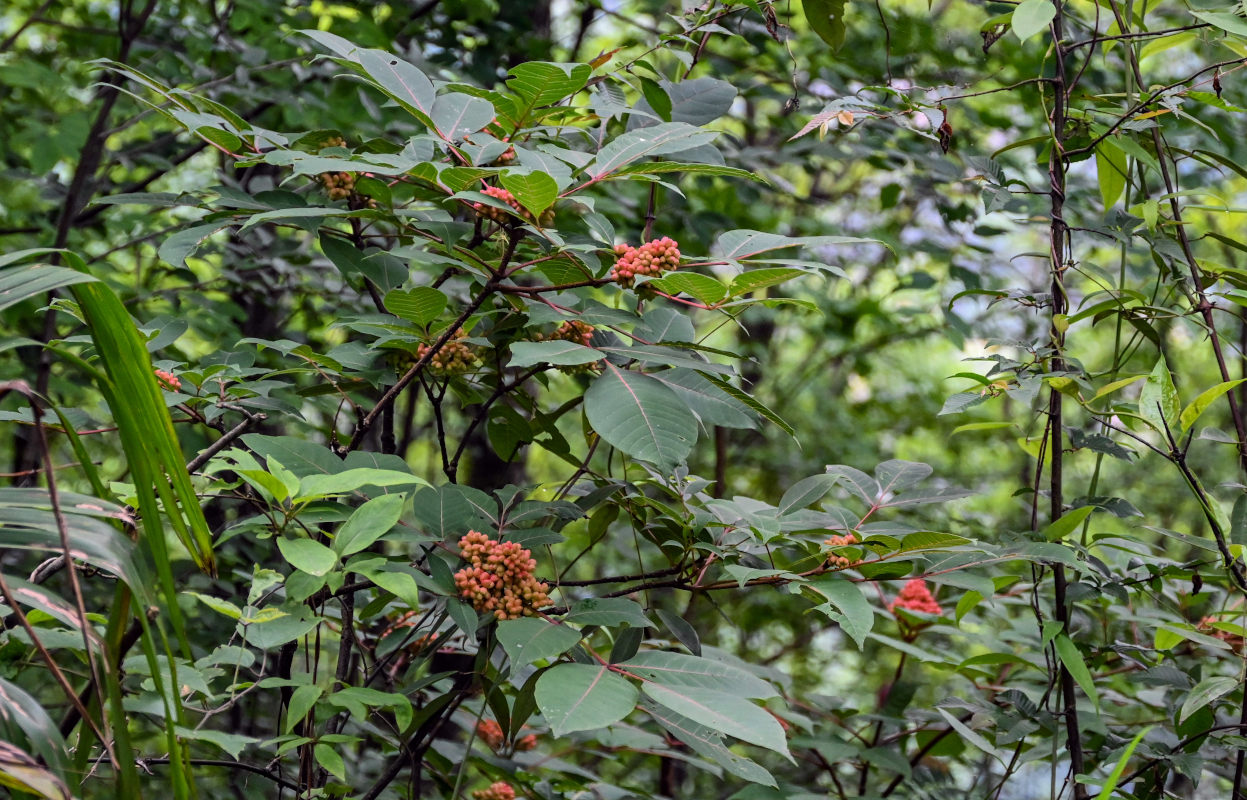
(508, 155)
(491, 734)
(169, 380)
(652, 258)
(497, 214)
(915, 596)
(840, 541)
(573, 330)
(454, 357)
(499, 577)
(496, 791)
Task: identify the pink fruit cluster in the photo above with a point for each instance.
(497, 214)
(496, 791)
(652, 258)
(499, 577)
(915, 596)
(490, 733)
(840, 541)
(169, 380)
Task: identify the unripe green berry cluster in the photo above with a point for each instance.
(573, 330)
(652, 258)
(499, 578)
(496, 791)
(338, 185)
(454, 357)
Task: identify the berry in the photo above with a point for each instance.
(168, 380)
(341, 186)
(528, 742)
(652, 258)
(502, 217)
(490, 733)
(847, 539)
(499, 577)
(573, 330)
(917, 597)
(454, 357)
(496, 791)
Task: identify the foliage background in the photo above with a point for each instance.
(946, 343)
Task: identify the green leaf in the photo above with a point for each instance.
(19, 283)
(232, 743)
(707, 743)
(306, 555)
(421, 305)
(545, 82)
(1205, 692)
(703, 287)
(1206, 398)
(706, 400)
(1068, 522)
(806, 492)
(402, 81)
(218, 605)
(1110, 785)
(368, 523)
(656, 98)
(753, 404)
(662, 167)
(314, 486)
(542, 83)
(655, 140)
(177, 247)
(1158, 402)
(677, 669)
(742, 244)
(529, 639)
(1111, 170)
(608, 611)
(756, 279)
(640, 416)
(853, 611)
(536, 191)
(1072, 659)
(561, 353)
(1031, 17)
(330, 759)
(302, 700)
(581, 697)
(826, 18)
(457, 115)
(728, 713)
(19, 711)
(1225, 20)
